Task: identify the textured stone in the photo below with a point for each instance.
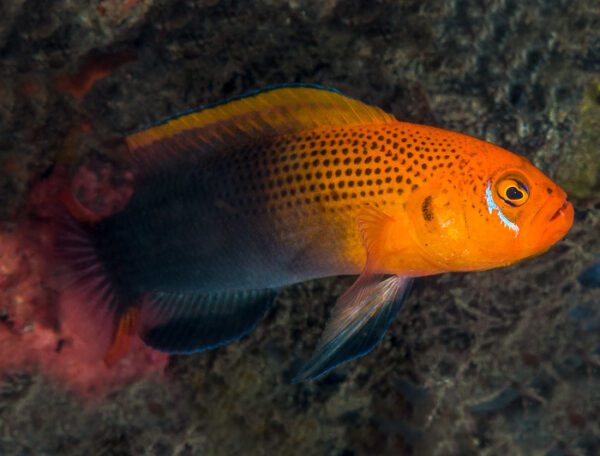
(579, 171)
(76, 76)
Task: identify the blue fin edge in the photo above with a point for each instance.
(249, 94)
(393, 311)
(269, 299)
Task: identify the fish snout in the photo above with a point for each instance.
(558, 217)
(562, 211)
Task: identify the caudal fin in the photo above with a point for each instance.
(90, 305)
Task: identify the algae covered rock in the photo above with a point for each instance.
(498, 362)
(579, 171)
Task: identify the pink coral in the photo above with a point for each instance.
(33, 331)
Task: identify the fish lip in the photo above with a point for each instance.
(561, 210)
(554, 216)
(558, 222)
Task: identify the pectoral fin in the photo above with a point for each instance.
(359, 321)
(364, 312)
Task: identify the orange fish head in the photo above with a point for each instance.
(497, 209)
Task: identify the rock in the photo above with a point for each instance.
(579, 171)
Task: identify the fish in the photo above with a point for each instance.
(237, 199)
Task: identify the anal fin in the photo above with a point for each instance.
(191, 322)
(359, 321)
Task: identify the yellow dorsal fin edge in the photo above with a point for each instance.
(269, 112)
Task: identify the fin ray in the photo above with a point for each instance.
(359, 321)
(272, 111)
(192, 322)
(90, 304)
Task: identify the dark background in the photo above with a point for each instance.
(499, 362)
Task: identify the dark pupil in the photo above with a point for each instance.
(514, 193)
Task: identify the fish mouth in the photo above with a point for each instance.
(558, 223)
(561, 211)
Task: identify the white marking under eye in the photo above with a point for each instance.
(491, 204)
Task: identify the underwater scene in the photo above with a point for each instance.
(300, 227)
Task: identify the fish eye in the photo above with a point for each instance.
(512, 191)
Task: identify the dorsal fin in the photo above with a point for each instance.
(269, 112)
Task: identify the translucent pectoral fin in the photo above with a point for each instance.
(359, 321)
(191, 322)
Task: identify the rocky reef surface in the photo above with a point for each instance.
(498, 362)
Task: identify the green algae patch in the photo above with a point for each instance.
(579, 171)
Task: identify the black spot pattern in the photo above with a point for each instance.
(338, 169)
